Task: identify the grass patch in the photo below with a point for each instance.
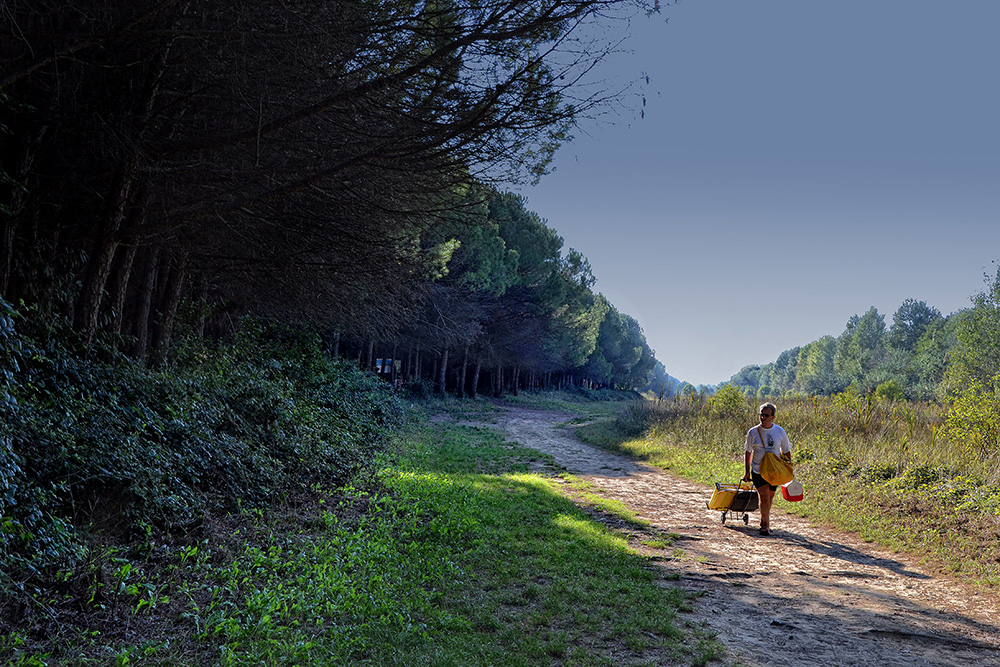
(479, 409)
(586, 404)
(452, 554)
(584, 492)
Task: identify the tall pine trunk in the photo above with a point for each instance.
(142, 322)
(474, 388)
(462, 374)
(102, 255)
(119, 286)
(173, 291)
(443, 372)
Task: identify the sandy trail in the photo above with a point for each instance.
(805, 595)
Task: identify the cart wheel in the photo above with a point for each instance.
(723, 518)
(746, 518)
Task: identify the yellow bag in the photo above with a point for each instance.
(723, 496)
(741, 497)
(776, 470)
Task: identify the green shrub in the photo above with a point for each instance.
(108, 451)
(974, 420)
(419, 388)
(730, 401)
(635, 418)
(890, 390)
(920, 476)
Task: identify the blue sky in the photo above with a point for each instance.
(798, 163)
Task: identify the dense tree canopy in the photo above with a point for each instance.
(325, 161)
(532, 309)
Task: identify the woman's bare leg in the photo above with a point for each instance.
(766, 494)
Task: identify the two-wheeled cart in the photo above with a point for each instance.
(734, 500)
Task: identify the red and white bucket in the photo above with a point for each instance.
(792, 491)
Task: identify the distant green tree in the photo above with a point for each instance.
(748, 376)
(817, 374)
(861, 347)
(657, 379)
(975, 358)
(909, 323)
(622, 345)
(610, 348)
(517, 330)
(575, 311)
(932, 350)
(598, 369)
(784, 371)
(647, 358)
(481, 262)
(537, 245)
(899, 366)
(548, 320)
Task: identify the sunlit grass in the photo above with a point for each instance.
(586, 492)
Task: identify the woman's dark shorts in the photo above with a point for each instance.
(759, 481)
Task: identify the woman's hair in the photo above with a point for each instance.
(774, 410)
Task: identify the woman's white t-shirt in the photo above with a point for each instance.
(775, 440)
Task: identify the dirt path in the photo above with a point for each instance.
(805, 595)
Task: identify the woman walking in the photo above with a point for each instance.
(761, 439)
